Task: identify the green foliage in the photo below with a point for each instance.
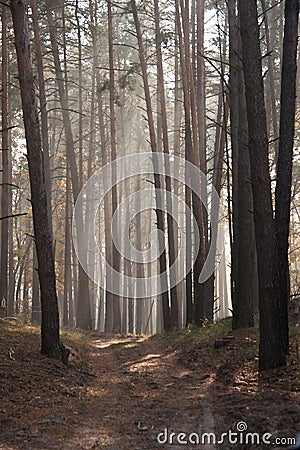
(192, 332)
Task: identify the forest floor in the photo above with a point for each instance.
(121, 392)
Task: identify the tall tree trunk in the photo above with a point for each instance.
(36, 316)
(83, 307)
(80, 96)
(271, 351)
(243, 252)
(51, 344)
(271, 77)
(114, 192)
(207, 293)
(285, 159)
(181, 294)
(43, 106)
(6, 188)
(157, 178)
(163, 113)
(67, 298)
(107, 209)
(190, 315)
(201, 310)
(217, 179)
(140, 306)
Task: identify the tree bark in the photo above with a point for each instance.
(200, 300)
(271, 77)
(67, 298)
(190, 314)
(243, 251)
(80, 96)
(83, 307)
(153, 143)
(114, 192)
(43, 106)
(285, 159)
(36, 302)
(271, 353)
(51, 344)
(163, 112)
(6, 189)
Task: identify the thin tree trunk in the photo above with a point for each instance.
(80, 96)
(36, 302)
(219, 153)
(285, 160)
(67, 298)
(163, 112)
(201, 114)
(83, 306)
(200, 300)
(107, 210)
(11, 279)
(271, 76)
(6, 188)
(153, 143)
(190, 316)
(114, 192)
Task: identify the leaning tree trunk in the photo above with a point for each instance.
(271, 351)
(51, 345)
(285, 158)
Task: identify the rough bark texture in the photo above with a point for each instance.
(271, 353)
(43, 106)
(51, 344)
(243, 251)
(285, 158)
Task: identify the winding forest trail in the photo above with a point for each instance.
(121, 393)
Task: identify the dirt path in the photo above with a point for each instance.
(133, 393)
(137, 393)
